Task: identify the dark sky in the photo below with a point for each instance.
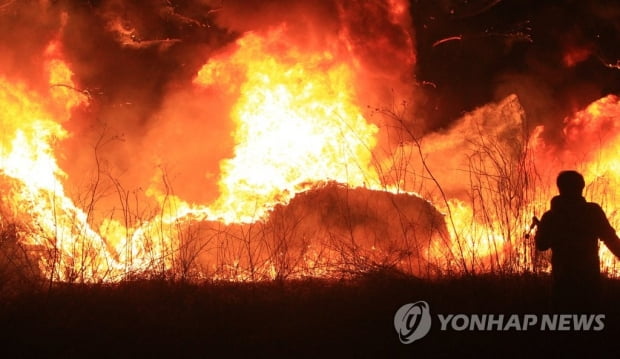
(516, 46)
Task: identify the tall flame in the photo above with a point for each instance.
(297, 124)
(31, 126)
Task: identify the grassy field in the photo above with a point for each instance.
(309, 318)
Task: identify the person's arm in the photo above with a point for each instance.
(607, 233)
(543, 235)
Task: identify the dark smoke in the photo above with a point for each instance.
(515, 46)
(136, 60)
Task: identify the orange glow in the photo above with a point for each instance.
(300, 126)
(576, 55)
(597, 126)
(297, 124)
(27, 155)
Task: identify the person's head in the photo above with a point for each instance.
(570, 183)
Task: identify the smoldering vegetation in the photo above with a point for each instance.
(136, 61)
(329, 231)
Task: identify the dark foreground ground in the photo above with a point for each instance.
(312, 318)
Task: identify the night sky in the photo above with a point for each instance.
(516, 46)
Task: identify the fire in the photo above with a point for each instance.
(590, 143)
(511, 177)
(30, 129)
(303, 132)
(597, 125)
(297, 124)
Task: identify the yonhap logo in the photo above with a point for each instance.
(412, 321)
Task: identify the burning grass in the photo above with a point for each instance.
(331, 231)
(472, 224)
(300, 111)
(292, 192)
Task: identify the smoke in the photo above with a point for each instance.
(25, 31)
(376, 36)
(556, 56)
(467, 82)
(136, 61)
(145, 58)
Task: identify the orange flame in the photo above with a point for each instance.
(30, 129)
(297, 124)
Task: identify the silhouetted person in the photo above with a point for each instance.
(571, 229)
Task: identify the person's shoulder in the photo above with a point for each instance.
(547, 216)
(594, 207)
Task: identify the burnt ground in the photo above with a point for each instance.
(309, 318)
